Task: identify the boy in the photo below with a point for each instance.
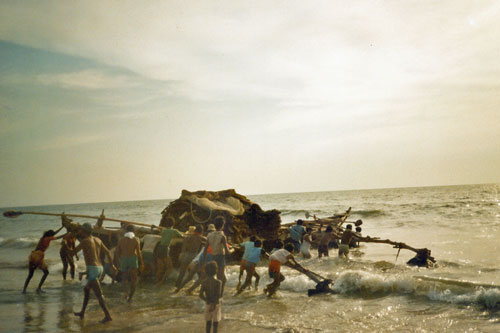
(278, 258)
(253, 258)
(248, 246)
(296, 233)
(211, 292)
(217, 241)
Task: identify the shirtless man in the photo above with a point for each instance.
(92, 248)
(191, 246)
(345, 240)
(326, 238)
(66, 254)
(128, 253)
(217, 241)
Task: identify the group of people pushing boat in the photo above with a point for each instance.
(203, 253)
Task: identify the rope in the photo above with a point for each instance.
(194, 216)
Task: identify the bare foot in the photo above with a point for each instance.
(79, 314)
(106, 319)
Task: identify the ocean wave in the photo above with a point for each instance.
(369, 213)
(13, 265)
(350, 282)
(488, 298)
(303, 212)
(18, 243)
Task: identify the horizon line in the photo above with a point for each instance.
(276, 193)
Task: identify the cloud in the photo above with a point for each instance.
(280, 49)
(87, 79)
(64, 142)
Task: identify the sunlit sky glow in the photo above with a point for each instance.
(136, 100)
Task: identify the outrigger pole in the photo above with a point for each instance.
(14, 214)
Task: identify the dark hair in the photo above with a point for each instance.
(219, 222)
(169, 223)
(49, 233)
(349, 226)
(278, 244)
(308, 229)
(130, 227)
(358, 229)
(253, 238)
(211, 268)
(299, 222)
(289, 247)
(257, 243)
(198, 229)
(329, 228)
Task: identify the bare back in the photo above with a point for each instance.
(347, 237)
(128, 246)
(212, 288)
(192, 243)
(92, 248)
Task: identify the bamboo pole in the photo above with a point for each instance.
(12, 214)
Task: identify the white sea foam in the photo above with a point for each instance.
(489, 298)
(366, 282)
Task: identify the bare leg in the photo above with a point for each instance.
(132, 274)
(275, 284)
(45, 273)
(221, 275)
(257, 279)
(72, 269)
(86, 293)
(197, 283)
(239, 279)
(30, 275)
(168, 269)
(96, 287)
(65, 265)
(248, 280)
(189, 277)
(182, 272)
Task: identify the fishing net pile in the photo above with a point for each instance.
(243, 217)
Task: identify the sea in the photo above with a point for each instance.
(375, 291)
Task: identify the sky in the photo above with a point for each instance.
(137, 100)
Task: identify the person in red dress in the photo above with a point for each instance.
(36, 258)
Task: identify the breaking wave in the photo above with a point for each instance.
(304, 213)
(18, 243)
(350, 282)
(488, 298)
(13, 265)
(369, 213)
